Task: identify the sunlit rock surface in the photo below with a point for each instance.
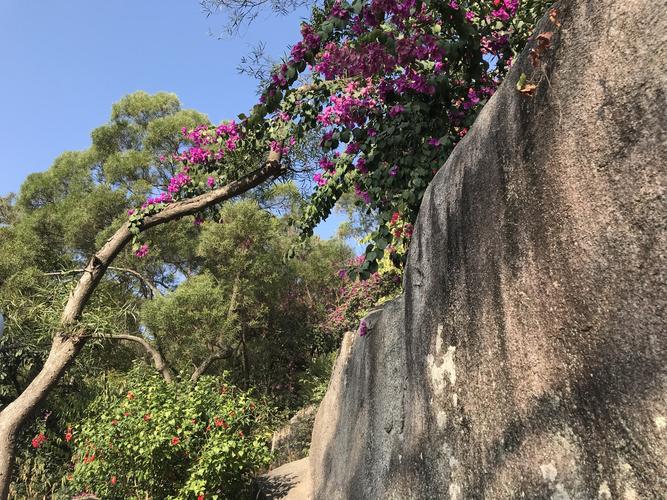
(528, 355)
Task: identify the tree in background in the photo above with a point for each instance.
(58, 219)
(44, 247)
(249, 310)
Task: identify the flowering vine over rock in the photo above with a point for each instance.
(394, 85)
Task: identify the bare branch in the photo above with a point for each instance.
(199, 371)
(241, 13)
(155, 291)
(158, 359)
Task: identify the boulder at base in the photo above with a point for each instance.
(288, 482)
(528, 355)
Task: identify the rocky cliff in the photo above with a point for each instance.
(528, 355)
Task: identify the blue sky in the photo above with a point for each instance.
(65, 63)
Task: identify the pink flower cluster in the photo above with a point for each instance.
(505, 9)
(177, 182)
(364, 195)
(320, 179)
(361, 165)
(277, 147)
(154, 200)
(142, 252)
(209, 143)
(349, 108)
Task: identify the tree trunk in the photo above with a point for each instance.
(68, 344)
(63, 351)
(245, 362)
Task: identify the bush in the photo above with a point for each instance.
(175, 440)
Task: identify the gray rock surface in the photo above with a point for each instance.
(288, 482)
(528, 355)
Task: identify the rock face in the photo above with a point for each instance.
(288, 482)
(528, 355)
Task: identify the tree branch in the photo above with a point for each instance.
(159, 361)
(155, 291)
(100, 262)
(199, 371)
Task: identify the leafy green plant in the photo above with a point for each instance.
(315, 380)
(175, 440)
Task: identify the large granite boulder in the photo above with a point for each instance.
(528, 355)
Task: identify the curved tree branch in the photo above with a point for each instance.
(199, 371)
(158, 359)
(155, 291)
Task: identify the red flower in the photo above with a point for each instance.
(394, 218)
(175, 440)
(241, 433)
(38, 440)
(220, 422)
(200, 497)
(147, 417)
(113, 480)
(114, 422)
(68, 436)
(130, 395)
(88, 459)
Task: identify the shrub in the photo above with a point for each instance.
(176, 440)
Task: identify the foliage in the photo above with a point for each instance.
(248, 303)
(66, 212)
(177, 440)
(44, 454)
(315, 378)
(357, 297)
(59, 217)
(63, 214)
(394, 87)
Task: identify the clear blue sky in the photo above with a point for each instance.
(65, 63)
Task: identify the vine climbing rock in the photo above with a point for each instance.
(527, 357)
